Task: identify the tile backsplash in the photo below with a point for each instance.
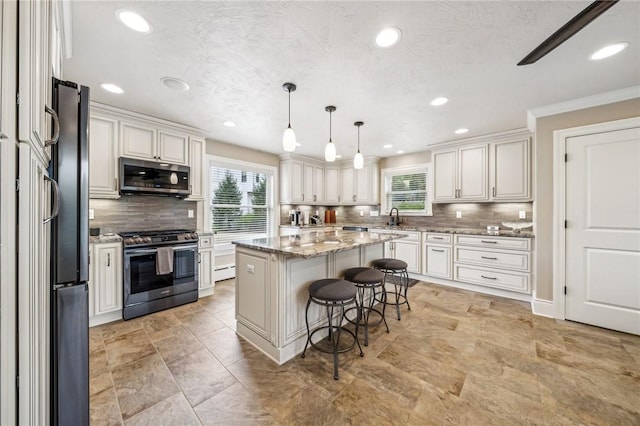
(474, 215)
(139, 213)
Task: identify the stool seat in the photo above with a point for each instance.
(390, 264)
(362, 275)
(332, 290)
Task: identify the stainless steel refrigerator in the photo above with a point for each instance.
(69, 167)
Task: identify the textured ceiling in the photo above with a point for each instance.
(237, 55)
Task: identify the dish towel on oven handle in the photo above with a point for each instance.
(164, 260)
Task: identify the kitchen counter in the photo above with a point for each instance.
(103, 239)
(318, 243)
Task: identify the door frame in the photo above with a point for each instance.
(559, 200)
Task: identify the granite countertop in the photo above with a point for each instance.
(317, 243)
(468, 231)
(103, 239)
(205, 233)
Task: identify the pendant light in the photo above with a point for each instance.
(330, 149)
(289, 137)
(358, 159)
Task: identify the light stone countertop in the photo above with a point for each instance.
(317, 243)
(467, 231)
(103, 239)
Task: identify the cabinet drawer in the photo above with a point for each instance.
(500, 259)
(205, 242)
(511, 243)
(439, 238)
(512, 281)
(411, 235)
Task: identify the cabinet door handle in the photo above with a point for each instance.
(489, 258)
(338, 198)
(56, 200)
(199, 258)
(489, 242)
(354, 197)
(438, 251)
(437, 238)
(488, 278)
(108, 259)
(315, 198)
(493, 191)
(56, 127)
(302, 197)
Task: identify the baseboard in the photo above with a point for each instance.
(544, 308)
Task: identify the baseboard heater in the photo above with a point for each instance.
(224, 272)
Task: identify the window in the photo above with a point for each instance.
(240, 202)
(407, 189)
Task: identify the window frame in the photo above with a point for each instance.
(231, 163)
(387, 173)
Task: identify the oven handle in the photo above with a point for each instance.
(153, 250)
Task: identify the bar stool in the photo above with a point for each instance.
(367, 280)
(331, 293)
(397, 270)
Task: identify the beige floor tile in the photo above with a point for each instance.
(142, 384)
(128, 347)
(202, 322)
(178, 346)
(233, 406)
(117, 328)
(104, 409)
(175, 410)
(226, 345)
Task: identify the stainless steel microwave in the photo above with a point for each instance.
(151, 178)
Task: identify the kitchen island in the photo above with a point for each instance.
(272, 277)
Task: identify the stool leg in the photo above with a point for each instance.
(335, 340)
(306, 320)
(356, 334)
(383, 306)
(398, 289)
(406, 288)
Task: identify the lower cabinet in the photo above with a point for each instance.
(206, 281)
(105, 283)
(407, 249)
(438, 256)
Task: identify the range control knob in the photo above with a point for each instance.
(129, 241)
(187, 236)
(147, 239)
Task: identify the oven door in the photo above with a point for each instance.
(142, 284)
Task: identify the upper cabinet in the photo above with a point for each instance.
(34, 79)
(147, 142)
(510, 164)
(460, 174)
(103, 156)
(309, 181)
(493, 168)
(115, 133)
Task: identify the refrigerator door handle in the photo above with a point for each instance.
(56, 127)
(56, 200)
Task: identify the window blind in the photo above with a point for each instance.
(241, 204)
(406, 190)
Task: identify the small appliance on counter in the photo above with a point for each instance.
(296, 217)
(493, 230)
(315, 220)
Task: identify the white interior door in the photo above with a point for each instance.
(603, 229)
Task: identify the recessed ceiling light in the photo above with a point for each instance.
(387, 146)
(439, 101)
(400, 151)
(461, 131)
(175, 83)
(388, 37)
(609, 50)
(134, 21)
(112, 88)
(228, 123)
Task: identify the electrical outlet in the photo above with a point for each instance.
(458, 214)
(361, 213)
(522, 214)
(374, 213)
(91, 214)
(336, 212)
(190, 214)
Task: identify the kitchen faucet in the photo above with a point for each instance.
(394, 221)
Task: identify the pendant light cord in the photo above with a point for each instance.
(289, 90)
(358, 138)
(330, 126)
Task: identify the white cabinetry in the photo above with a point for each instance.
(105, 286)
(510, 170)
(301, 180)
(461, 174)
(407, 249)
(197, 150)
(438, 256)
(146, 142)
(206, 281)
(332, 185)
(103, 157)
(360, 186)
(491, 168)
(498, 262)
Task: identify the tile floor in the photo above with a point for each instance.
(456, 358)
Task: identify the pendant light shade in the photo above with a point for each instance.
(289, 137)
(358, 159)
(330, 149)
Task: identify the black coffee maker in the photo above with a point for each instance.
(295, 216)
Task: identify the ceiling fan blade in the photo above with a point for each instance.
(565, 32)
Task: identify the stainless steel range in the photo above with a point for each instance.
(147, 287)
